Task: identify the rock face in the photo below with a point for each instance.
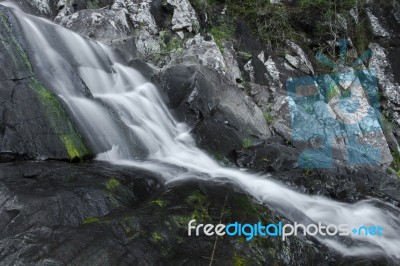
(34, 124)
(184, 17)
(61, 214)
(108, 26)
(95, 213)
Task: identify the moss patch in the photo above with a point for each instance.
(247, 143)
(158, 202)
(60, 122)
(112, 184)
(239, 261)
(157, 237)
(200, 204)
(90, 220)
(221, 34)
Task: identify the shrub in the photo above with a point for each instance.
(221, 34)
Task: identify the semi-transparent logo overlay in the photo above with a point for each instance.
(335, 113)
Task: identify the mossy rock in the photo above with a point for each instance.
(41, 126)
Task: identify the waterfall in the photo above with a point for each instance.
(121, 112)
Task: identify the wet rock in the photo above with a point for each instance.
(347, 184)
(271, 156)
(45, 204)
(33, 121)
(221, 115)
(57, 213)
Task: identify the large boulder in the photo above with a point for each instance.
(110, 27)
(223, 118)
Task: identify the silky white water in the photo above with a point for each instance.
(126, 110)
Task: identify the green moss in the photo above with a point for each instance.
(245, 55)
(169, 43)
(221, 34)
(324, 4)
(239, 261)
(247, 143)
(196, 198)
(158, 202)
(90, 220)
(60, 122)
(268, 117)
(200, 204)
(181, 220)
(157, 237)
(269, 22)
(112, 184)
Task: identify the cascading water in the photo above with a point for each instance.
(122, 112)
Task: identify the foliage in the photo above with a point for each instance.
(323, 4)
(269, 22)
(169, 43)
(221, 34)
(268, 117)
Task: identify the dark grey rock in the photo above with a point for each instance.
(272, 156)
(221, 115)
